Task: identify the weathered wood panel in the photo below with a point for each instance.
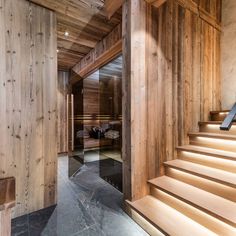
(106, 50)
(5, 222)
(183, 79)
(7, 201)
(7, 193)
(85, 21)
(63, 91)
(171, 81)
(28, 98)
(134, 100)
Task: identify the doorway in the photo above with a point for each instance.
(97, 122)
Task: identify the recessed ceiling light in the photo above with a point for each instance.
(66, 33)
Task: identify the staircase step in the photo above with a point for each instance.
(197, 155)
(168, 220)
(209, 152)
(213, 140)
(214, 205)
(219, 115)
(214, 127)
(213, 174)
(211, 135)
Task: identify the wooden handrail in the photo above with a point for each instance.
(7, 201)
(228, 121)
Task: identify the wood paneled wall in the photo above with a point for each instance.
(28, 103)
(183, 77)
(169, 85)
(91, 95)
(63, 91)
(228, 50)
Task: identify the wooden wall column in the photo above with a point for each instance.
(134, 99)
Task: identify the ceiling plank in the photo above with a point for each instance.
(86, 23)
(112, 6)
(156, 3)
(108, 48)
(79, 39)
(88, 15)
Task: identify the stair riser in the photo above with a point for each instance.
(222, 144)
(211, 128)
(203, 183)
(218, 116)
(199, 216)
(211, 161)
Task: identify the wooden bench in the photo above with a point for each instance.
(7, 201)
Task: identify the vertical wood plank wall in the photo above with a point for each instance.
(175, 82)
(28, 103)
(63, 90)
(183, 76)
(134, 86)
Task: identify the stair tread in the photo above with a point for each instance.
(214, 174)
(208, 151)
(216, 112)
(212, 204)
(213, 135)
(213, 122)
(167, 219)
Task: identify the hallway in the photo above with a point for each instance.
(87, 205)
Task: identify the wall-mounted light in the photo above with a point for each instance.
(66, 33)
(57, 50)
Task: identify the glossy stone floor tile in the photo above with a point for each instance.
(20, 226)
(87, 206)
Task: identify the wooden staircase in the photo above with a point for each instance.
(197, 194)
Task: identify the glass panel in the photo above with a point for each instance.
(97, 123)
(110, 79)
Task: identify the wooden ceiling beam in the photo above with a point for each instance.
(76, 39)
(85, 21)
(111, 6)
(89, 16)
(71, 52)
(75, 29)
(156, 3)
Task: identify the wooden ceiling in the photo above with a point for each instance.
(86, 22)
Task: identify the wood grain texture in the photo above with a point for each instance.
(106, 50)
(183, 79)
(112, 6)
(134, 87)
(5, 222)
(63, 90)
(7, 201)
(28, 97)
(7, 193)
(85, 21)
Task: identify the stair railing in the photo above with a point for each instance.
(229, 119)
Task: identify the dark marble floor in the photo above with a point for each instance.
(87, 206)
